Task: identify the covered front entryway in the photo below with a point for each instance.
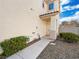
(47, 24)
(51, 23)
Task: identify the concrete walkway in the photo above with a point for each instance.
(31, 52)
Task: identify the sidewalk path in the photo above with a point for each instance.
(31, 52)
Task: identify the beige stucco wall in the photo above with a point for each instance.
(21, 17)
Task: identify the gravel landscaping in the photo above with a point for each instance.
(61, 50)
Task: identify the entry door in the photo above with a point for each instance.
(47, 28)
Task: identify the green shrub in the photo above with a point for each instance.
(13, 45)
(69, 37)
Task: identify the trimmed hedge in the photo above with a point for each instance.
(69, 37)
(13, 45)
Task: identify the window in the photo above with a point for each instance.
(51, 6)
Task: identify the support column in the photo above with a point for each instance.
(54, 27)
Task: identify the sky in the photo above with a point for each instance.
(69, 10)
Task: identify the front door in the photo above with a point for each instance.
(48, 27)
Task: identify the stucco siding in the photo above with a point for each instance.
(21, 17)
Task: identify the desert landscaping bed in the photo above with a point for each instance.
(62, 50)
